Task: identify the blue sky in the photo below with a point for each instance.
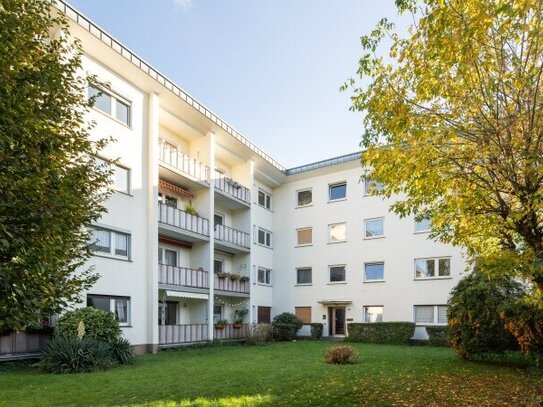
(270, 68)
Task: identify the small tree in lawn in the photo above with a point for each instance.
(50, 188)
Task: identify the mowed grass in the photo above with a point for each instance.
(282, 374)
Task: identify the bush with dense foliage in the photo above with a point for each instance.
(285, 326)
(341, 355)
(438, 335)
(475, 326)
(69, 354)
(122, 352)
(316, 330)
(259, 334)
(99, 324)
(397, 333)
(287, 318)
(524, 320)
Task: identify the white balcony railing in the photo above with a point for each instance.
(172, 334)
(170, 155)
(233, 188)
(183, 220)
(182, 276)
(227, 284)
(231, 331)
(231, 235)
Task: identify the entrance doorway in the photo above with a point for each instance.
(336, 318)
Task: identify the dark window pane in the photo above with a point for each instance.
(337, 273)
(305, 197)
(338, 191)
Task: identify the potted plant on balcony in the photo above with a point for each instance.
(221, 274)
(221, 323)
(239, 316)
(191, 210)
(234, 276)
(244, 278)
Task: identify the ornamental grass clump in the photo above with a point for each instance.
(341, 355)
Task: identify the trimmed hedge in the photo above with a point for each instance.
(284, 332)
(393, 333)
(438, 335)
(316, 330)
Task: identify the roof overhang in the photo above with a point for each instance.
(183, 294)
(332, 302)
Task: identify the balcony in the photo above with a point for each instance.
(191, 333)
(238, 195)
(174, 222)
(182, 277)
(232, 240)
(175, 160)
(223, 282)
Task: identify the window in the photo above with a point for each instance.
(336, 233)
(303, 275)
(304, 197)
(218, 266)
(170, 313)
(431, 314)
(423, 225)
(264, 315)
(304, 236)
(264, 276)
(432, 268)
(119, 178)
(264, 199)
(113, 243)
(167, 257)
(374, 271)
(111, 105)
(374, 228)
(217, 313)
(264, 237)
(120, 306)
(373, 313)
(218, 219)
(371, 187)
(337, 273)
(337, 191)
(303, 314)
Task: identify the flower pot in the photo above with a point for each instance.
(237, 326)
(219, 326)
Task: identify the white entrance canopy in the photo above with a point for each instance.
(332, 302)
(180, 294)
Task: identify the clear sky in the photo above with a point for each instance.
(270, 68)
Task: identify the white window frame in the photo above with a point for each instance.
(266, 234)
(336, 184)
(365, 313)
(382, 219)
(422, 230)
(112, 180)
(367, 190)
(162, 255)
(113, 305)
(344, 281)
(304, 268)
(112, 243)
(298, 199)
(436, 268)
(113, 108)
(267, 199)
(374, 280)
(329, 238)
(267, 276)
(298, 244)
(435, 315)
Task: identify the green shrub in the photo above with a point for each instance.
(524, 320)
(122, 351)
(287, 318)
(438, 335)
(68, 354)
(316, 330)
(284, 332)
(397, 333)
(99, 324)
(475, 326)
(341, 355)
(259, 334)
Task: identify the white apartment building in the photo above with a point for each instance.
(203, 224)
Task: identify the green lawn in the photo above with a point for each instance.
(282, 374)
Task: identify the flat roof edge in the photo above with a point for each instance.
(324, 163)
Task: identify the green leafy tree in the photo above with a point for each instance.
(50, 187)
(454, 123)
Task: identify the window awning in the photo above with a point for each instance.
(331, 302)
(180, 294)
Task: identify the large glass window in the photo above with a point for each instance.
(431, 314)
(337, 191)
(264, 199)
(264, 275)
(110, 242)
(337, 273)
(120, 306)
(373, 313)
(336, 233)
(374, 227)
(374, 271)
(264, 237)
(303, 275)
(111, 104)
(432, 268)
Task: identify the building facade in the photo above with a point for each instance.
(206, 234)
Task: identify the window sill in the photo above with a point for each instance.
(264, 285)
(122, 192)
(336, 282)
(303, 206)
(263, 245)
(336, 200)
(374, 237)
(341, 241)
(303, 285)
(126, 326)
(105, 256)
(432, 278)
(263, 207)
(112, 118)
(422, 232)
(373, 281)
(304, 245)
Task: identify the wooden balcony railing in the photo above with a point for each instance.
(231, 235)
(172, 334)
(182, 276)
(170, 155)
(183, 220)
(228, 284)
(233, 188)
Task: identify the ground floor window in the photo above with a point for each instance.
(120, 306)
(373, 313)
(303, 314)
(431, 314)
(264, 315)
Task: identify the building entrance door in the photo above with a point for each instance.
(336, 318)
